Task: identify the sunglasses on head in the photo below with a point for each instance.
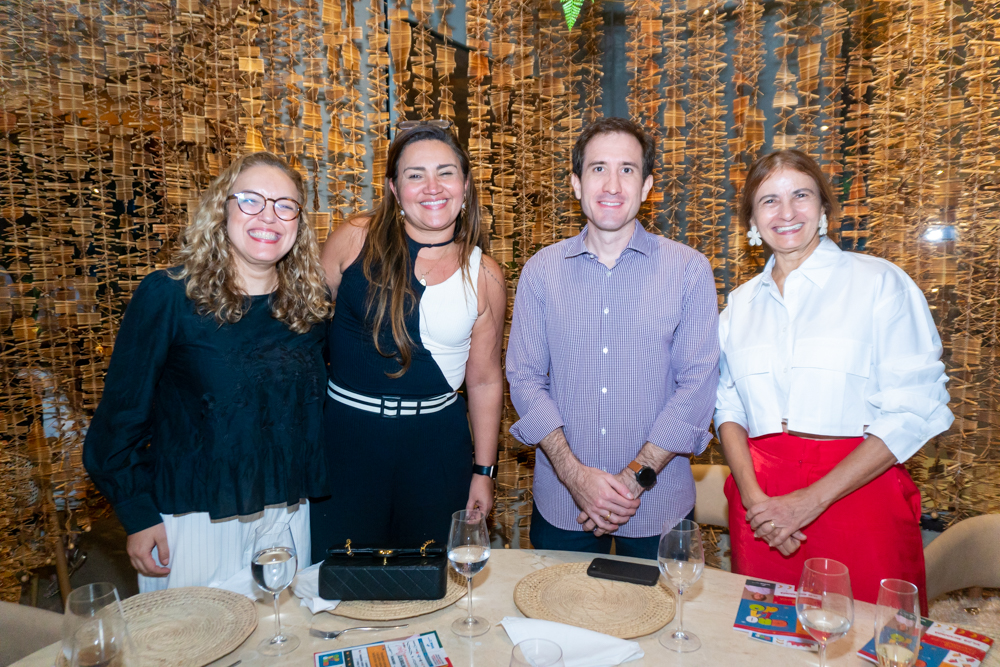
(441, 124)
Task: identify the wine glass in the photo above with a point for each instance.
(273, 566)
(824, 602)
(897, 624)
(468, 550)
(537, 653)
(682, 558)
(94, 629)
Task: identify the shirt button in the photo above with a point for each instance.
(605, 350)
(591, 256)
(603, 431)
(605, 311)
(604, 390)
(608, 274)
(784, 370)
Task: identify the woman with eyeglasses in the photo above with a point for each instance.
(212, 415)
(420, 312)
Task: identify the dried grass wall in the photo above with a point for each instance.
(114, 114)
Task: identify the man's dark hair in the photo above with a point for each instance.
(612, 126)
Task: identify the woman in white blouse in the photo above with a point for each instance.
(830, 379)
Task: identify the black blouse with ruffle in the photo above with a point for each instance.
(198, 417)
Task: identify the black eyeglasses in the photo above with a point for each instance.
(441, 124)
(253, 203)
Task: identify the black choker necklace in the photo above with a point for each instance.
(431, 245)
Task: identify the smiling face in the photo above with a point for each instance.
(429, 185)
(786, 210)
(259, 241)
(611, 187)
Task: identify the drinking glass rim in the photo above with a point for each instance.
(904, 587)
(109, 590)
(542, 641)
(465, 515)
(676, 527)
(843, 568)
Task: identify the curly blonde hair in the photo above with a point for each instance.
(208, 266)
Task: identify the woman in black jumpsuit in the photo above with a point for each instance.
(399, 447)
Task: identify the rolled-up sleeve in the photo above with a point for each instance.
(911, 401)
(528, 364)
(115, 452)
(728, 404)
(682, 425)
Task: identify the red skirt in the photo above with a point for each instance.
(874, 531)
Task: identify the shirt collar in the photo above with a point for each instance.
(641, 241)
(817, 267)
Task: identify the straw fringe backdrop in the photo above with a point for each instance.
(114, 115)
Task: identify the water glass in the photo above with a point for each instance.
(897, 624)
(537, 653)
(468, 551)
(273, 566)
(824, 602)
(682, 559)
(95, 633)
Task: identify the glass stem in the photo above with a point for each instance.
(277, 619)
(822, 654)
(680, 611)
(469, 619)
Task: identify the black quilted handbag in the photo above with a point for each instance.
(384, 574)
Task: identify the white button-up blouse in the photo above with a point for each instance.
(849, 350)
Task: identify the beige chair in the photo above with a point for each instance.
(24, 630)
(710, 505)
(965, 555)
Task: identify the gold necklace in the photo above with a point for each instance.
(423, 276)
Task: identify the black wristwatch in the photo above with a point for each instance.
(487, 471)
(644, 475)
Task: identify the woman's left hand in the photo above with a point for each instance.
(481, 493)
(780, 517)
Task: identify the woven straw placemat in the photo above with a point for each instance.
(390, 610)
(565, 594)
(188, 627)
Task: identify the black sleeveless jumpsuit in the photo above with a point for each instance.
(395, 480)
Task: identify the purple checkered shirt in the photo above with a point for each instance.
(617, 357)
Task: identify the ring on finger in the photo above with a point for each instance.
(608, 517)
(772, 525)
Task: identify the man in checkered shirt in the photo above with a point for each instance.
(613, 361)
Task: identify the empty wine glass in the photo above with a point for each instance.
(537, 653)
(682, 559)
(824, 602)
(94, 629)
(273, 566)
(897, 624)
(468, 551)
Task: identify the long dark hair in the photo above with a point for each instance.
(386, 256)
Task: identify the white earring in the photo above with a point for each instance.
(754, 236)
(822, 225)
(402, 213)
(463, 204)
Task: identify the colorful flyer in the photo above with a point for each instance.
(767, 613)
(943, 644)
(416, 651)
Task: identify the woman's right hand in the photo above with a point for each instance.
(140, 551)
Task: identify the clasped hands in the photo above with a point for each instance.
(606, 501)
(779, 520)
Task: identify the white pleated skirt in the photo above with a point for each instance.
(204, 552)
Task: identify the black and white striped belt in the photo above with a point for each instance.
(390, 406)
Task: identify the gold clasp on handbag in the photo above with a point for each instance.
(348, 547)
(423, 549)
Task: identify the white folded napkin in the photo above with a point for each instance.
(306, 586)
(581, 648)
